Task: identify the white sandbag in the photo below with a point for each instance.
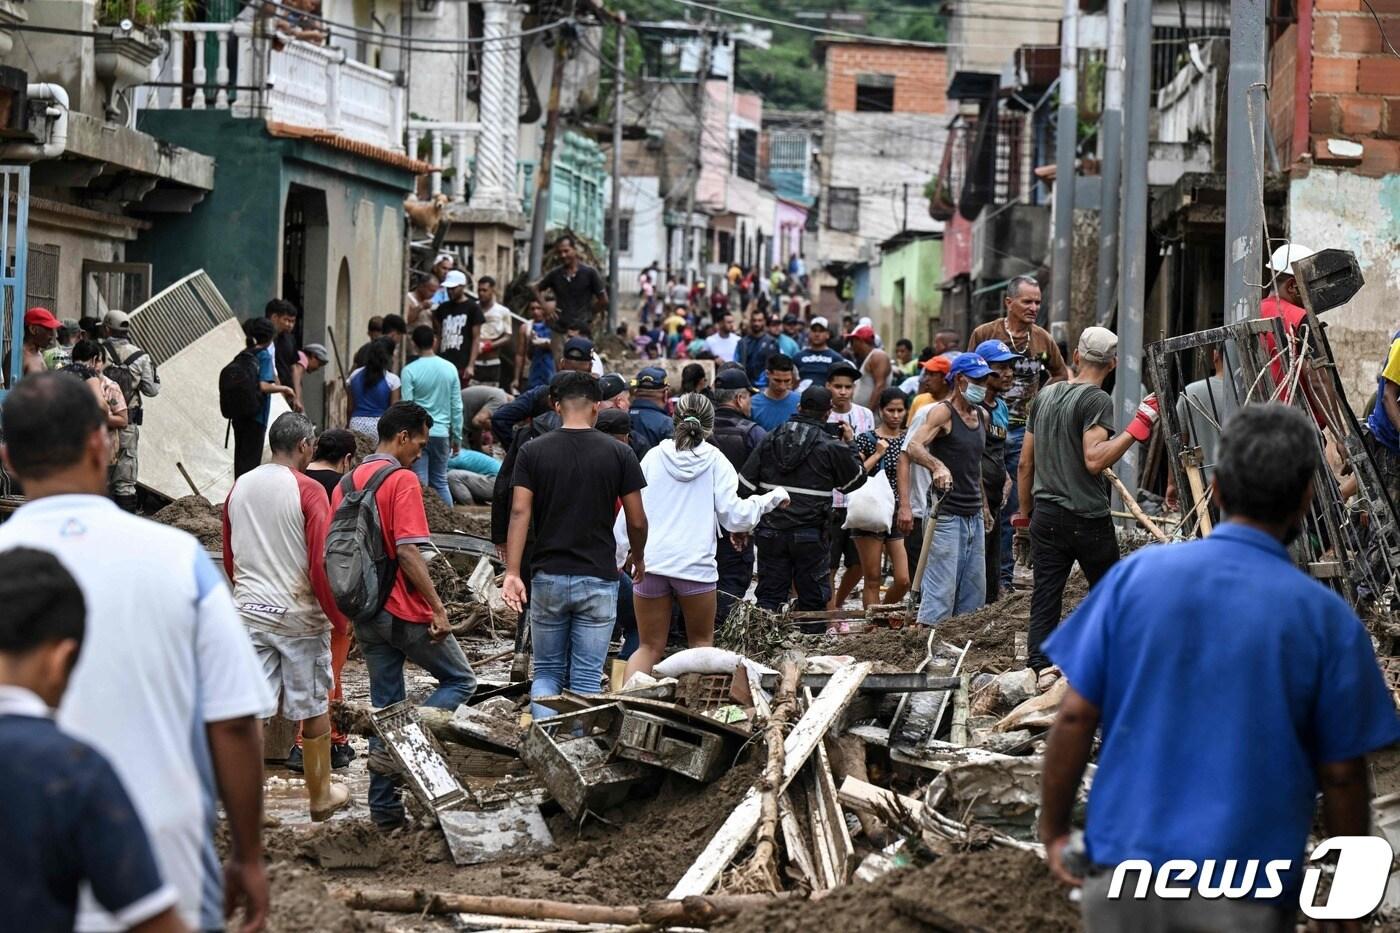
(705, 661)
(871, 507)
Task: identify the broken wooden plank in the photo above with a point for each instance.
(837, 835)
(866, 797)
(940, 756)
(793, 840)
(871, 735)
(800, 744)
(690, 911)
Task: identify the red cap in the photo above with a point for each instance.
(863, 332)
(41, 317)
(938, 364)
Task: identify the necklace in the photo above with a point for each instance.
(1011, 338)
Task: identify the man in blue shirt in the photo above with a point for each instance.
(777, 402)
(651, 422)
(66, 820)
(433, 382)
(816, 359)
(1230, 688)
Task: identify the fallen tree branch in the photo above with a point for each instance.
(696, 910)
(761, 871)
(1132, 504)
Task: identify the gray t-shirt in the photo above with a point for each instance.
(1061, 414)
(1202, 410)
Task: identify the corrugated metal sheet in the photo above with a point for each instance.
(178, 316)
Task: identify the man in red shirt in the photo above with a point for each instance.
(413, 623)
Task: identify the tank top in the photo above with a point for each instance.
(866, 385)
(960, 450)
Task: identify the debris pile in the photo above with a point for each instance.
(198, 516)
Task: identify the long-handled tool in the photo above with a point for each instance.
(916, 585)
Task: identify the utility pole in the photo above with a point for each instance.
(1132, 276)
(701, 77)
(613, 248)
(538, 220)
(1066, 135)
(1244, 161)
(1111, 167)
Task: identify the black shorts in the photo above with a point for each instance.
(843, 542)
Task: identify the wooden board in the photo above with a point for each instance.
(797, 748)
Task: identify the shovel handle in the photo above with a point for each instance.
(916, 591)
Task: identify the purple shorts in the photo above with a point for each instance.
(655, 586)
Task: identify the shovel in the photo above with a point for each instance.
(911, 601)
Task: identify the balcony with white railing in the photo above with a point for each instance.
(229, 66)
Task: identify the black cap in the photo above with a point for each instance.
(842, 369)
(612, 385)
(733, 378)
(790, 319)
(614, 421)
(816, 398)
(578, 349)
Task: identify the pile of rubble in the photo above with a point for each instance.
(727, 793)
(198, 516)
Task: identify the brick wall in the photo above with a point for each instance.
(1356, 82)
(921, 75)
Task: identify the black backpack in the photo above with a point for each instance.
(240, 389)
(359, 568)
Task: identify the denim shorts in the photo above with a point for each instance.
(655, 586)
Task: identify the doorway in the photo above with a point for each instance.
(305, 258)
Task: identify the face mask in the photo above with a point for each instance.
(975, 394)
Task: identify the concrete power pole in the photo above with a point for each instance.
(538, 221)
(701, 77)
(1244, 161)
(1132, 277)
(616, 224)
(1066, 135)
(1111, 168)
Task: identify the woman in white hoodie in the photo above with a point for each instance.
(691, 491)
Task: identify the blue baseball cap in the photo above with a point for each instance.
(970, 365)
(996, 351)
(652, 377)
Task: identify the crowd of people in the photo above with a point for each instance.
(809, 465)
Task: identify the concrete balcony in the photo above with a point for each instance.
(230, 66)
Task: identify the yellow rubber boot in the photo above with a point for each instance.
(326, 797)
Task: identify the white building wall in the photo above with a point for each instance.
(1343, 210)
(643, 206)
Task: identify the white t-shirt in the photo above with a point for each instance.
(861, 419)
(275, 524)
(163, 655)
(724, 348)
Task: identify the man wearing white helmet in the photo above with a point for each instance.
(1286, 301)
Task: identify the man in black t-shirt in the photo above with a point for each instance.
(283, 315)
(578, 290)
(459, 321)
(567, 486)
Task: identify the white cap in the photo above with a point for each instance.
(454, 278)
(444, 257)
(1286, 255)
(819, 321)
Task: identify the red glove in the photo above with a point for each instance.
(1141, 428)
(485, 346)
(1020, 521)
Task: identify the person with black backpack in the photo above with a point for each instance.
(380, 582)
(246, 387)
(134, 372)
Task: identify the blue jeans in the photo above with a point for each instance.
(955, 580)
(626, 617)
(1015, 440)
(386, 642)
(431, 467)
(571, 624)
